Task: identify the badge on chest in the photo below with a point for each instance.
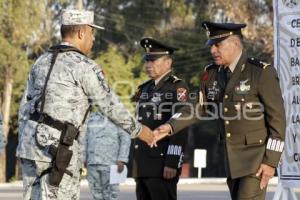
(243, 87)
(156, 98)
(212, 91)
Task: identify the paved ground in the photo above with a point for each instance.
(185, 192)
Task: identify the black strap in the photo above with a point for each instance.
(85, 115)
(54, 50)
(43, 96)
(47, 171)
(38, 178)
(49, 121)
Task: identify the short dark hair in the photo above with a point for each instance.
(69, 30)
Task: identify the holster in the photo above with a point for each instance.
(62, 155)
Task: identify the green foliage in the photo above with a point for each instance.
(119, 72)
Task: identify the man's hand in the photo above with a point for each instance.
(169, 173)
(266, 172)
(161, 132)
(147, 136)
(120, 165)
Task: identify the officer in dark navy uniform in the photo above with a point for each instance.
(157, 169)
(244, 94)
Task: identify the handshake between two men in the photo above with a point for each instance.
(152, 137)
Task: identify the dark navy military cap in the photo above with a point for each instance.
(155, 49)
(216, 32)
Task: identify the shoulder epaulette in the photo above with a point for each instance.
(174, 78)
(209, 66)
(145, 83)
(258, 63)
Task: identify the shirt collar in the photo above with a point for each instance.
(234, 63)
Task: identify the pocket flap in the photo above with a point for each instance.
(256, 137)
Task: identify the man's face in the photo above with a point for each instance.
(225, 52)
(158, 67)
(88, 39)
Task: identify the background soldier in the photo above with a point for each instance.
(157, 170)
(252, 117)
(106, 145)
(2, 138)
(62, 85)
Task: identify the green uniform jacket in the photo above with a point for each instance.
(250, 109)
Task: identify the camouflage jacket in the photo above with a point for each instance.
(75, 83)
(105, 143)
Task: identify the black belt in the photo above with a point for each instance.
(47, 120)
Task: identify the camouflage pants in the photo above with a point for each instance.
(69, 187)
(98, 178)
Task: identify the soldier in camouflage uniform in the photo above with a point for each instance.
(2, 138)
(106, 145)
(55, 105)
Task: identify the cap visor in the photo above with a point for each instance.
(211, 42)
(151, 57)
(96, 26)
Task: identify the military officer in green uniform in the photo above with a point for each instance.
(157, 169)
(244, 95)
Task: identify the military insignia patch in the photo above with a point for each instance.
(243, 88)
(101, 78)
(182, 94)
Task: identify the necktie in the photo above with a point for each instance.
(227, 74)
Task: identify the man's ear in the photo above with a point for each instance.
(170, 61)
(80, 33)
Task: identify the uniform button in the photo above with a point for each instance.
(242, 99)
(226, 122)
(228, 135)
(144, 106)
(226, 96)
(161, 154)
(136, 146)
(260, 141)
(225, 109)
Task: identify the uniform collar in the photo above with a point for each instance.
(162, 77)
(162, 80)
